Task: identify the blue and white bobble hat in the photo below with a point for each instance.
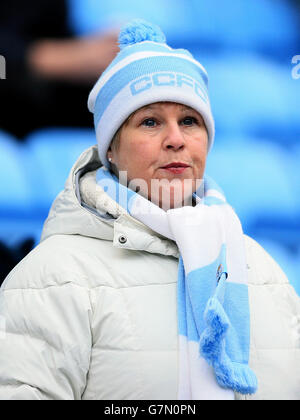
(145, 71)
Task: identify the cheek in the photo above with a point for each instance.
(135, 157)
(199, 155)
(143, 151)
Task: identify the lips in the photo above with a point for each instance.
(176, 165)
(176, 168)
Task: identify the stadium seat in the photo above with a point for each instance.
(53, 153)
(90, 16)
(18, 219)
(14, 230)
(256, 25)
(251, 95)
(259, 26)
(256, 178)
(294, 153)
(15, 197)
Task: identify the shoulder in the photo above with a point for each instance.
(89, 263)
(263, 269)
(57, 261)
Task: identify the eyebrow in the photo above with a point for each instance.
(187, 108)
(154, 107)
(144, 108)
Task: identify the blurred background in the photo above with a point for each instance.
(56, 49)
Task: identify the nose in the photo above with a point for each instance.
(173, 137)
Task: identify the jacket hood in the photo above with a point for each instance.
(70, 215)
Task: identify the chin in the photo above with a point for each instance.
(176, 199)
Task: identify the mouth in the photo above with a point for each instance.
(176, 167)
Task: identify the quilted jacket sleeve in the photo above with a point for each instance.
(45, 337)
(275, 328)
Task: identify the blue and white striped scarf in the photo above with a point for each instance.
(213, 306)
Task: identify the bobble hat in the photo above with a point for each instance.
(145, 71)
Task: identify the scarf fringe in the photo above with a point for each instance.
(233, 375)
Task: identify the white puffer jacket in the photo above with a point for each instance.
(91, 312)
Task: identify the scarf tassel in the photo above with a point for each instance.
(229, 374)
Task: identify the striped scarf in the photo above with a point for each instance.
(212, 298)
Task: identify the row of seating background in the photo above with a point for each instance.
(269, 27)
(247, 49)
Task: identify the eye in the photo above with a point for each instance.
(149, 122)
(188, 121)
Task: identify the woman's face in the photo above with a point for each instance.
(164, 145)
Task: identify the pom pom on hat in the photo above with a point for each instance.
(139, 30)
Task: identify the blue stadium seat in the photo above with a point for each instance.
(15, 197)
(18, 219)
(294, 153)
(53, 153)
(14, 230)
(253, 96)
(256, 25)
(90, 16)
(256, 178)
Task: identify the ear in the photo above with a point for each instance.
(109, 154)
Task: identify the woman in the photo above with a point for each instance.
(144, 286)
